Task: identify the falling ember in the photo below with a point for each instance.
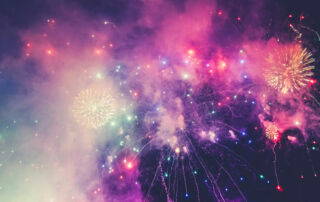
(288, 68)
(93, 107)
(279, 188)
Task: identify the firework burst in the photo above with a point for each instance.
(93, 107)
(272, 132)
(288, 68)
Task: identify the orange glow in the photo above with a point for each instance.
(191, 52)
(222, 65)
(49, 51)
(98, 51)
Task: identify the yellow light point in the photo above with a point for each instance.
(191, 52)
(297, 123)
(288, 68)
(212, 136)
(99, 76)
(177, 150)
(93, 108)
(129, 165)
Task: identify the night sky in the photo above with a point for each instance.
(159, 100)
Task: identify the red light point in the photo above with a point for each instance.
(220, 13)
(290, 15)
(312, 81)
(28, 45)
(279, 188)
(238, 18)
(219, 104)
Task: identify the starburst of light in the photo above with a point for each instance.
(288, 68)
(93, 107)
(272, 133)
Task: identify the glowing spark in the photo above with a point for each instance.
(129, 165)
(279, 188)
(288, 68)
(93, 107)
(49, 52)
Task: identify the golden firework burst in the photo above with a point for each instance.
(93, 107)
(288, 68)
(272, 132)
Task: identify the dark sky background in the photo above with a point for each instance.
(19, 15)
